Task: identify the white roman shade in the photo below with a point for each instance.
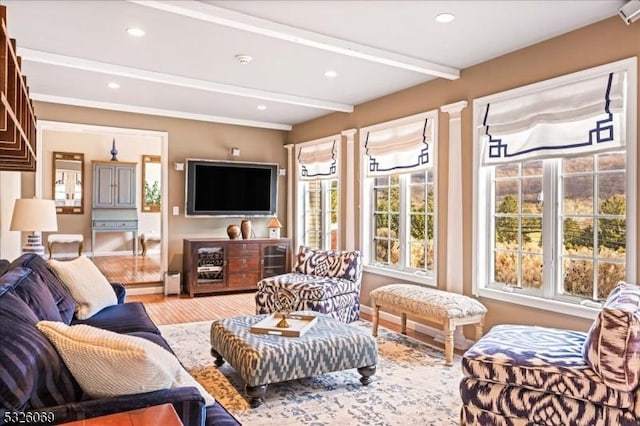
(400, 149)
(569, 120)
(318, 161)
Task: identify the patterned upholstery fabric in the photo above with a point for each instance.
(329, 263)
(612, 347)
(32, 374)
(323, 281)
(4, 265)
(30, 288)
(535, 406)
(64, 301)
(329, 345)
(434, 303)
(526, 375)
(540, 358)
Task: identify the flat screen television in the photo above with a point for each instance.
(229, 188)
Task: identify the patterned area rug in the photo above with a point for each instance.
(411, 386)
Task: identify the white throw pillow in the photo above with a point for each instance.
(108, 364)
(88, 287)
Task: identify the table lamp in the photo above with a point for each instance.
(34, 215)
(274, 227)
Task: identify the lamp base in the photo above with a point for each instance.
(274, 232)
(34, 245)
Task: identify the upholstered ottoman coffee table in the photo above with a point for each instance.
(261, 359)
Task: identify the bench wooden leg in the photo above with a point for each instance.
(479, 327)
(80, 247)
(50, 247)
(403, 322)
(376, 314)
(449, 328)
(143, 243)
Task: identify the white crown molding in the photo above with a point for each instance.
(240, 21)
(175, 80)
(159, 112)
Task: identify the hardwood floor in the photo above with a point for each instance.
(179, 309)
(165, 310)
(130, 270)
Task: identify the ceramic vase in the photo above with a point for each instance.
(245, 227)
(233, 231)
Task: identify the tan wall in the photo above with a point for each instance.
(597, 44)
(187, 138)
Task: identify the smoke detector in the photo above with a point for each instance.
(244, 59)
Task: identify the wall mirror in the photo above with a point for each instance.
(151, 191)
(68, 179)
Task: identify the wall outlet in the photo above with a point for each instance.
(282, 172)
(176, 210)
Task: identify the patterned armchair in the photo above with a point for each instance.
(322, 281)
(525, 375)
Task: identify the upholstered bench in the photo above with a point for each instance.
(65, 239)
(260, 359)
(447, 309)
(148, 236)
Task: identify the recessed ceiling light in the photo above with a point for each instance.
(445, 18)
(331, 74)
(262, 107)
(135, 31)
(113, 85)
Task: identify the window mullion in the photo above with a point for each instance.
(403, 228)
(596, 236)
(305, 212)
(323, 214)
(551, 238)
(489, 177)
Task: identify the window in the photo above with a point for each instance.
(555, 192)
(318, 189)
(409, 196)
(320, 219)
(399, 198)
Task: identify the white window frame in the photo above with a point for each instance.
(301, 195)
(366, 204)
(482, 201)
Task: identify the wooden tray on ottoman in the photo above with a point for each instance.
(298, 325)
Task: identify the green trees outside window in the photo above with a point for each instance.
(590, 217)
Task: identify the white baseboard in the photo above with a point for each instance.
(113, 253)
(459, 341)
(136, 291)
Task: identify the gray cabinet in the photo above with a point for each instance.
(114, 185)
(114, 200)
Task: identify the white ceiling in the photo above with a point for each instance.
(185, 65)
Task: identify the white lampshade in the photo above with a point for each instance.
(274, 223)
(34, 215)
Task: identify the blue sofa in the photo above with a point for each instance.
(33, 377)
